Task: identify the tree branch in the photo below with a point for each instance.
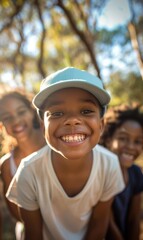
(86, 41)
(11, 18)
(41, 57)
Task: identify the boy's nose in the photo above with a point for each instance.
(73, 119)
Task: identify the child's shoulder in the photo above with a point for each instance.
(135, 170)
(35, 156)
(105, 158)
(105, 152)
(136, 178)
(4, 159)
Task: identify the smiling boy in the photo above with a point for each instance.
(65, 190)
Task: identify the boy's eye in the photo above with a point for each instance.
(53, 114)
(57, 114)
(86, 111)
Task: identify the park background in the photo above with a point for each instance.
(38, 37)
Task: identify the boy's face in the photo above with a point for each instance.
(127, 142)
(72, 122)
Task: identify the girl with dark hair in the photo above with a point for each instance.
(123, 135)
(20, 122)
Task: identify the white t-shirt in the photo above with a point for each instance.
(36, 185)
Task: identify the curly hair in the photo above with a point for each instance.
(116, 116)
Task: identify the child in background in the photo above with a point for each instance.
(20, 121)
(65, 190)
(123, 135)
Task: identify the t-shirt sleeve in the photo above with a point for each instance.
(137, 179)
(113, 182)
(22, 190)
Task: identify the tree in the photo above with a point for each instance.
(63, 33)
(20, 14)
(136, 33)
(123, 89)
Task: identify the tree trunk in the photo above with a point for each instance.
(135, 44)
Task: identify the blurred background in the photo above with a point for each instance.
(38, 37)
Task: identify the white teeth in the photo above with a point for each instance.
(128, 156)
(73, 138)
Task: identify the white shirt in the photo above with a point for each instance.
(36, 185)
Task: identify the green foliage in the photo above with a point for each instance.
(125, 89)
(65, 48)
(63, 43)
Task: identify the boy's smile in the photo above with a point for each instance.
(72, 122)
(73, 138)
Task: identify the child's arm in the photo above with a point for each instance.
(6, 178)
(33, 224)
(113, 230)
(134, 218)
(99, 221)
